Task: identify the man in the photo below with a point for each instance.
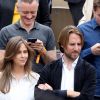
(12, 15)
(91, 49)
(28, 28)
(70, 77)
(75, 7)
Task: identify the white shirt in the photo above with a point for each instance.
(22, 89)
(67, 82)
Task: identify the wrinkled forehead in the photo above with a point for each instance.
(28, 6)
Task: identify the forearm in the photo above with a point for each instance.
(62, 93)
(68, 93)
(86, 52)
(49, 56)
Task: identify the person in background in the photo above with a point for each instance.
(75, 7)
(50, 5)
(87, 11)
(17, 80)
(70, 77)
(27, 27)
(91, 49)
(9, 13)
(44, 12)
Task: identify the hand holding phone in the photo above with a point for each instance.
(32, 40)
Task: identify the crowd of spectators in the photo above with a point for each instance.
(29, 67)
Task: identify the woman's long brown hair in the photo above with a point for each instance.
(11, 50)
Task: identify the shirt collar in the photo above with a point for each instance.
(24, 77)
(18, 26)
(94, 23)
(27, 76)
(73, 64)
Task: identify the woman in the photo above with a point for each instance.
(17, 80)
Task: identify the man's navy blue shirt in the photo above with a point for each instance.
(91, 33)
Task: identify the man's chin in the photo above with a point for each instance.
(74, 57)
(28, 24)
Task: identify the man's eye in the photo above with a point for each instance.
(25, 12)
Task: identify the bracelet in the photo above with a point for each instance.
(43, 51)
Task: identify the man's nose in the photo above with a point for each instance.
(76, 47)
(29, 15)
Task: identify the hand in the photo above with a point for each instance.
(45, 87)
(38, 45)
(96, 49)
(72, 94)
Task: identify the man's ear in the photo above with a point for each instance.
(16, 6)
(61, 48)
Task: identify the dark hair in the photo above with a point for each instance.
(63, 38)
(96, 4)
(12, 48)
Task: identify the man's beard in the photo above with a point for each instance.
(69, 56)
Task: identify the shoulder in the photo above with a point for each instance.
(54, 64)
(35, 75)
(43, 27)
(9, 27)
(85, 25)
(89, 71)
(87, 66)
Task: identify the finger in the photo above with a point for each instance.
(48, 86)
(41, 86)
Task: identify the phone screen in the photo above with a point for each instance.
(33, 40)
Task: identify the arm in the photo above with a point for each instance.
(47, 52)
(50, 47)
(4, 37)
(69, 93)
(88, 85)
(48, 56)
(88, 89)
(87, 53)
(87, 92)
(89, 49)
(3, 42)
(45, 83)
(46, 95)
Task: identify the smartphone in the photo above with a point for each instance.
(33, 40)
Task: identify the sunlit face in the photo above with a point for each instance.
(73, 48)
(28, 12)
(97, 15)
(21, 57)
